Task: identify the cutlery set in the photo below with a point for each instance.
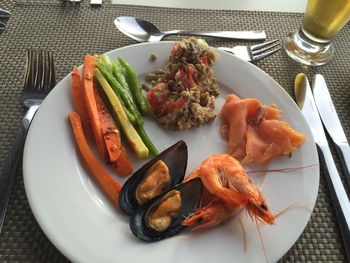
(4, 14)
(313, 105)
(144, 31)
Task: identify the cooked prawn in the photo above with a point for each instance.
(213, 214)
(231, 189)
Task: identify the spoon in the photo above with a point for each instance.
(144, 31)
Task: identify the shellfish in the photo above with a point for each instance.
(162, 216)
(158, 175)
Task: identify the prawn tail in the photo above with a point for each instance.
(231, 197)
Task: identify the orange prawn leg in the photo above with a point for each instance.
(192, 175)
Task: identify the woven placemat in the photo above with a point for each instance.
(72, 31)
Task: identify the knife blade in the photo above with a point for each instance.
(306, 103)
(4, 13)
(331, 120)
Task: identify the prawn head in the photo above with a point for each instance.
(211, 215)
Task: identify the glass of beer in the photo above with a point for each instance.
(312, 43)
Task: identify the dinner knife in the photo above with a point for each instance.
(331, 121)
(339, 197)
(4, 13)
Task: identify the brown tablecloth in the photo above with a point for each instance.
(73, 30)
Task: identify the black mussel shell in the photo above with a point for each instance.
(175, 157)
(191, 193)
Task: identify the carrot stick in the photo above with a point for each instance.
(118, 156)
(123, 165)
(77, 94)
(108, 184)
(88, 85)
(110, 133)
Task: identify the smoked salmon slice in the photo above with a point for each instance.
(254, 132)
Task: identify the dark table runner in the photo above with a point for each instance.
(74, 30)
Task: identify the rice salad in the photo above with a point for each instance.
(183, 93)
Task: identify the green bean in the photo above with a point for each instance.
(130, 116)
(118, 74)
(134, 86)
(118, 89)
(147, 141)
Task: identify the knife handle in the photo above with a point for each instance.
(339, 197)
(344, 152)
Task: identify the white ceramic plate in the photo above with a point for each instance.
(85, 227)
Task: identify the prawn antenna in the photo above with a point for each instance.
(261, 240)
(285, 170)
(294, 205)
(244, 235)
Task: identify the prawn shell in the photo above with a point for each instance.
(175, 157)
(191, 193)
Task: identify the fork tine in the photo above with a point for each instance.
(41, 70)
(45, 78)
(258, 46)
(51, 71)
(28, 69)
(37, 71)
(263, 55)
(45, 70)
(263, 49)
(29, 78)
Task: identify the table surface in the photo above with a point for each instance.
(251, 5)
(34, 25)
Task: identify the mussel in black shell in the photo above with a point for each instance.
(158, 175)
(161, 217)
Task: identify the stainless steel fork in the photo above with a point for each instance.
(39, 80)
(255, 52)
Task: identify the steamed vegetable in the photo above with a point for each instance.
(77, 93)
(134, 86)
(124, 97)
(88, 86)
(110, 133)
(131, 134)
(114, 72)
(108, 184)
